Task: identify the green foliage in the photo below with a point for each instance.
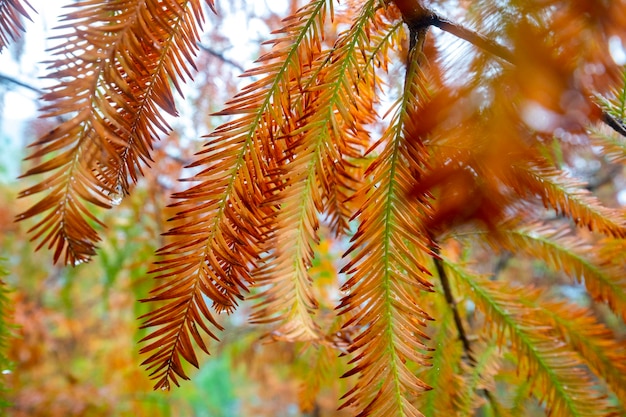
(6, 333)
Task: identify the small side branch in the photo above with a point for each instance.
(613, 123)
(474, 38)
(8, 79)
(221, 57)
(447, 292)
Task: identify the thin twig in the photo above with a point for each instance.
(9, 79)
(613, 123)
(419, 20)
(474, 38)
(418, 28)
(447, 292)
(502, 262)
(221, 57)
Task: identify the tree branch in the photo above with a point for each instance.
(221, 57)
(489, 45)
(474, 38)
(8, 79)
(447, 292)
(613, 123)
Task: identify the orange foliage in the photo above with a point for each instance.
(446, 163)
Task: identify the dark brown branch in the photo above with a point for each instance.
(474, 38)
(447, 292)
(418, 20)
(613, 123)
(502, 262)
(502, 52)
(11, 80)
(221, 57)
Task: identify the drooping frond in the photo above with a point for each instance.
(113, 69)
(593, 341)
(344, 97)
(386, 270)
(567, 197)
(604, 282)
(316, 376)
(224, 221)
(477, 380)
(320, 367)
(335, 97)
(344, 89)
(443, 374)
(289, 299)
(558, 375)
(11, 14)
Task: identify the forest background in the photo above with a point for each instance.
(73, 350)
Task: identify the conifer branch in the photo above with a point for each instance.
(613, 123)
(419, 19)
(221, 57)
(12, 25)
(505, 54)
(458, 322)
(447, 292)
(557, 372)
(474, 38)
(4, 78)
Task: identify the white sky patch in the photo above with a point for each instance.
(20, 104)
(621, 197)
(616, 48)
(243, 30)
(538, 117)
